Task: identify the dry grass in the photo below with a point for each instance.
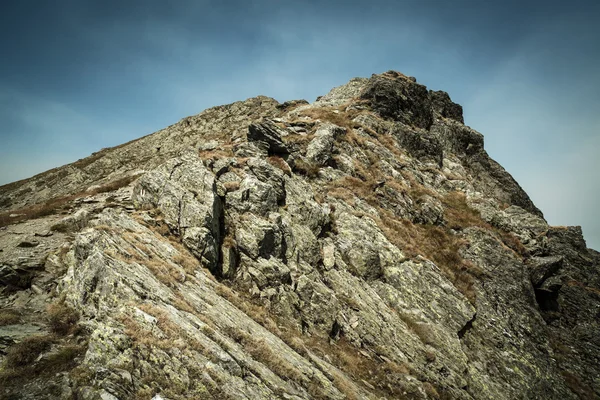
(180, 303)
(168, 336)
(224, 151)
(21, 363)
(62, 319)
(164, 272)
(435, 243)
(25, 352)
(431, 391)
(231, 186)
(57, 204)
(112, 186)
(258, 313)
(582, 285)
(458, 214)
(188, 262)
(297, 140)
(382, 375)
(335, 115)
(169, 272)
(511, 241)
(9, 317)
(280, 163)
(306, 168)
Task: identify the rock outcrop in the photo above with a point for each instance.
(363, 246)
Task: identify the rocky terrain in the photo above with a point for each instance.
(363, 246)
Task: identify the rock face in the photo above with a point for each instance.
(363, 246)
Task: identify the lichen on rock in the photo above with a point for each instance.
(361, 246)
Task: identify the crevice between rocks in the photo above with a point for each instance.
(467, 327)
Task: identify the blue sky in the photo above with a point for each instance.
(77, 76)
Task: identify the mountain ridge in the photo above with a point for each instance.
(361, 246)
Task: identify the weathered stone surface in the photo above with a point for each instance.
(72, 223)
(543, 268)
(402, 263)
(185, 191)
(320, 148)
(444, 107)
(270, 134)
(397, 97)
(421, 144)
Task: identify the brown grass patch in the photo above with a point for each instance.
(26, 351)
(224, 151)
(435, 243)
(335, 115)
(57, 204)
(231, 186)
(20, 364)
(306, 168)
(280, 163)
(62, 318)
(9, 317)
(298, 140)
(258, 313)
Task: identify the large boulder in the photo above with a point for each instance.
(270, 134)
(444, 107)
(320, 148)
(185, 192)
(395, 96)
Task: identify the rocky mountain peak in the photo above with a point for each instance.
(363, 246)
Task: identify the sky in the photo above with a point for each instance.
(77, 76)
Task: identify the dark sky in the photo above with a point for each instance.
(76, 76)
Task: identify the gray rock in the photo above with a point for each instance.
(269, 133)
(361, 281)
(320, 148)
(72, 223)
(185, 192)
(444, 107)
(394, 96)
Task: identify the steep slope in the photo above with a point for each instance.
(362, 246)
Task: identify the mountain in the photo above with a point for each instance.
(363, 246)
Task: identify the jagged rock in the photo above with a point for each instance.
(457, 138)
(444, 107)
(291, 103)
(11, 277)
(72, 223)
(262, 238)
(399, 98)
(320, 148)
(270, 134)
(270, 175)
(185, 191)
(543, 268)
(30, 242)
(254, 196)
(422, 145)
(428, 210)
(405, 264)
(252, 149)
